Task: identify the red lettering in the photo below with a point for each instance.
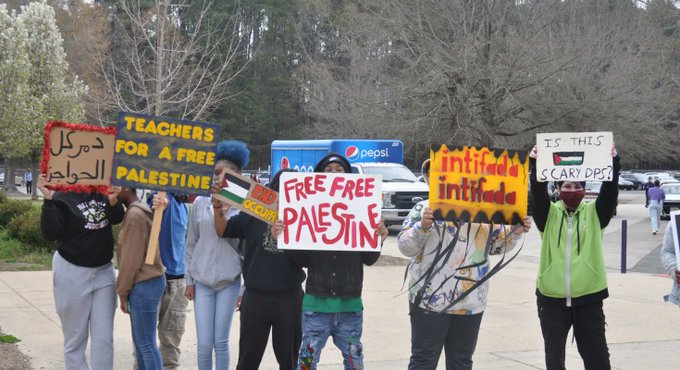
(336, 185)
(289, 216)
(373, 217)
(340, 219)
(318, 183)
(289, 185)
(348, 192)
(369, 235)
(263, 194)
(307, 222)
(369, 186)
(323, 214)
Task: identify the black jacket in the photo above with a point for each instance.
(334, 274)
(81, 223)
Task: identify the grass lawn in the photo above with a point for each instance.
(15, 257)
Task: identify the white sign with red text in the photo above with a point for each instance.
(330, 212)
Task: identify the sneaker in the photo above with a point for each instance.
(654, 232)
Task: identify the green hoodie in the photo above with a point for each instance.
(574, 241)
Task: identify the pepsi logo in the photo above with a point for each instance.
(284, 163)
(352, 152)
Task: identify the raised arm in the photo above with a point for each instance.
(609, 193)
(539, 199)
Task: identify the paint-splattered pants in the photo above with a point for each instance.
(344, 327)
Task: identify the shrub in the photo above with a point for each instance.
(3, 196)
(26, 228)
(12, 208)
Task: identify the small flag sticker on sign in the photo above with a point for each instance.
(234, 188)
(568, 158)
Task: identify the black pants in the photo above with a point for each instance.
(262, 311)
(28, 186)
(588, 322)
(430, 332)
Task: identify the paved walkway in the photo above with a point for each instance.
(643, 332)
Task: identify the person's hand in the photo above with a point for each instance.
(189, 292)
(277, 228)
(614, 153)
(526, 226)
(159, 202)
(427, 218)
(114, 191)
(237, 306)
(124, 307)
(533, 153)
(677, 276)
(42, 186)
(382, 231)
(218, 204)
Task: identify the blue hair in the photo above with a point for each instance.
(235, 151)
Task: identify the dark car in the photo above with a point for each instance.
(636, 180)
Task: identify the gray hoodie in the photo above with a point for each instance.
(209, 259)
(670, 264)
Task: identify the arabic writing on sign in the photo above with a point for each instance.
(79, 157)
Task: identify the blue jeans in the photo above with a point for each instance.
(143, 301)
(345, 327)
(213, 310)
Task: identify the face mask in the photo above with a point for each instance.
(572, 199)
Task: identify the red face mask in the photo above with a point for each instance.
(572, 199)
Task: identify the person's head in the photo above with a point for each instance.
(649, 179)
(333, 163)
(127, 196)
(231, 154)
(274, 183)
(425, 170)
(657, 183)
(571, 193)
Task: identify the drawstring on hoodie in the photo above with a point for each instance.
(578, 235)
(559, 238)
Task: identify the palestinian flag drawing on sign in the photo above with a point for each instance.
(568, 158)
(234, 188)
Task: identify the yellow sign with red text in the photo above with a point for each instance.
(481, 185)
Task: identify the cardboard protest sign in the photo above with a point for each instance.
(330, 211)
(77, 157)
(574, 156)
(249, 196)
(675, 226)
(164, 154)
(481, 185)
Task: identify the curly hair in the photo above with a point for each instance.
(234, 151)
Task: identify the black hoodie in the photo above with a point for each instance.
(81, 223)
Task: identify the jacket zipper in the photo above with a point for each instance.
(567, 261)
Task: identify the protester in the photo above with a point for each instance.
(332, 304)
(435, 282)
(28, 178)
(655, 198)
(273, 291)
(670, 263)
(648, 185)
(213, 267)
(82, 272)
(571, 235)
(139, 285)
(172, 312)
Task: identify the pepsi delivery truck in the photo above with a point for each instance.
(401, 188)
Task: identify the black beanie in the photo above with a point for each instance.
(330, 158)
(559, 184)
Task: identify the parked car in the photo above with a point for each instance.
(672, 191)
(638, 181)
(593, 190)
(661, 176)
(18, 179)
(625, 184)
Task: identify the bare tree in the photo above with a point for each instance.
(171, 59)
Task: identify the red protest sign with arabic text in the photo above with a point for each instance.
(330, 212)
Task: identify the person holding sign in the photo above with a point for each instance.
(571, 236)
(139, 285)
(273, 291)
(445, 303)
(332, 303)
(670, 263)
(82, 272)
(213, 266)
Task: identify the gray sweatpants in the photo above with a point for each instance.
(85, 299)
